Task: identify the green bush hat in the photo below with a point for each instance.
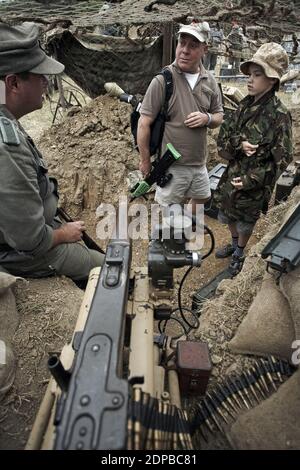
(271, 57)
(20, 51)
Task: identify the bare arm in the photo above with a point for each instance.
(143, 141)
(198, 119)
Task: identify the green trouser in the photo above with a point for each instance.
(73, 260)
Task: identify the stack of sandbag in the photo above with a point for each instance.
(272, 327)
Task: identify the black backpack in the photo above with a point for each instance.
(158, 125)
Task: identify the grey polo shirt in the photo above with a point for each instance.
(205, 97)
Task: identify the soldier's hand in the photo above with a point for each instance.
(237, 183)
(249, 149)
(196, 119)
(73, 231)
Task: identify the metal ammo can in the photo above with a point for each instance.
(193, 366)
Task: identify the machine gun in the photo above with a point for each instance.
(98, 399)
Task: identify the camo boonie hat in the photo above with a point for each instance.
(20, 51)
(271, 57)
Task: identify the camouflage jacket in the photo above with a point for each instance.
(267, 124)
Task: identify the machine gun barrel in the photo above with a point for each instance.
(59, 373)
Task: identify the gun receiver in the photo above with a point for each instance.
(158, 172)
(92, 414)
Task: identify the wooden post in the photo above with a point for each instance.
(62, 99)
(167, 57)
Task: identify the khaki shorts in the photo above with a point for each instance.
(187, 182)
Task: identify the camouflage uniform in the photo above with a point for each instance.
(266, 123)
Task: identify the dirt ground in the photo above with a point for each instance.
(91, 154)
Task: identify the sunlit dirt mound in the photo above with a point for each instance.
(91, 153)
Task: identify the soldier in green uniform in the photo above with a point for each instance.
(257, 142)
(33, 241)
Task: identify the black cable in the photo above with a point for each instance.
(210, 233)
(163, 329)
(191, 326)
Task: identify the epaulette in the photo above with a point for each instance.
(8, 132)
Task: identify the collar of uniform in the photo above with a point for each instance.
(203, 72)
(5, 112)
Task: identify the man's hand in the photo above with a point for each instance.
(196, 119)
(73, 231)
(237, 183)
(70, 232)
(145, 167)
(248, 148)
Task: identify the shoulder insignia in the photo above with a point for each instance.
(8, 132)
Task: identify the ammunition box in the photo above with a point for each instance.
(287, 181)
(234, 94)
(214, 178)
(193, 366)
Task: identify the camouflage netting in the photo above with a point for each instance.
(91, 68)
(65, 25)
(274, 15)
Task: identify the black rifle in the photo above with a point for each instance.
(88, 241)
(157, 174)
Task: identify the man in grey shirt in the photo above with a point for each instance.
(33, 241)
(194, 106)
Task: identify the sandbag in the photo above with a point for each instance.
(7, 367)
(7, 281)
(290, 288)
(9, 318)
(274, 424)
(268, 327)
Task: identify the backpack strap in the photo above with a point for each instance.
(167, 74)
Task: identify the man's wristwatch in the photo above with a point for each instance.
(209, 119)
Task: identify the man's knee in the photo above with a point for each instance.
(75, 260)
